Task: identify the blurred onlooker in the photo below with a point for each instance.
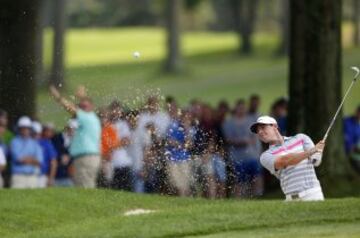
(5, 137)
(26, 155)
(121, 161)
(242, 154)
(85, 145)
(3, 145)
(254, 104)
(49, 163)
(139, 141)
(219, 169)
(178, 142)
(220, 115)
(153, 114)
(279, 112)
(61, 142)
(352, 131)
(2, 166)
(109, 142)
(352, 137)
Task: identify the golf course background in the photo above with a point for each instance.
(102, 60)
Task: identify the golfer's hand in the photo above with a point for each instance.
(54, 92)
(320, 146)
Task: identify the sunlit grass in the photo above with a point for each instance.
(102, 60)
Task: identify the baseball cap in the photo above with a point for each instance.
(24, 121)
(265, 120)
(36, 127)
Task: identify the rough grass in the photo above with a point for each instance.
(99, 213)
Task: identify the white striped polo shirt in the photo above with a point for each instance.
(295, 178)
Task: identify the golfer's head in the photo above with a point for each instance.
(86, 104)
(266, 128)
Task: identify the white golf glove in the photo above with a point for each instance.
(316, 159)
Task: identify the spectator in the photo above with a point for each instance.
(5, 137)
(85, 145)
(3, 160)
(109, 142)
(352, 131)
(254, 104)
(247, 169)
(61, 142)
(219, 118)
(352, 138)
(26, 156)
(49, 163)
(218, 167)
(178, 141)
(279, 112)
(152, 114)
(139, 141)
(122, 163)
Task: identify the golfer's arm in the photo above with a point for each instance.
(67, 105)
(292, 158)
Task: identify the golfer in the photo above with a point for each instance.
(291, 160)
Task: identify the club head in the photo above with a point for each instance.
(356, 69)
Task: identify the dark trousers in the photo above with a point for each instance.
(122, 179)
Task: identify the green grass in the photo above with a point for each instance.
(99, 213)
(101, 59)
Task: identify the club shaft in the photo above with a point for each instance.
(338, 111)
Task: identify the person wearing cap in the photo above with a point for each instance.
(26, 155)
(291, 160)
(62, 143)
(49, 164)
(85, 145)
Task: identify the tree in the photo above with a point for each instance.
(284, 24)
(173, 63)
(18, 26)
(244, 13)
(57, 71)
(315, 81)
(355, 18)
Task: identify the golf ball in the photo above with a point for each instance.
(136, 54)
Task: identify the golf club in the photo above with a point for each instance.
(357, 71)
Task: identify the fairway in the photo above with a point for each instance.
(100, 213)
(102, 60)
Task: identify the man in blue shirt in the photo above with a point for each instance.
(178, 139)
(85, 145)
(352, 131)
(26, 156)
(49, 164)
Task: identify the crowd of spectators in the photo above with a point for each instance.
(196, 150)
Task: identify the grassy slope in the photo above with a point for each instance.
(102, 60)
(98, 213)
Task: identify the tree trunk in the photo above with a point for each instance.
(356, 9)
(284, 24)
(40, 76)
(173, 62)
(18, 26)
(296, 68)
(244, 13)
(315, 69)
(57, 71)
